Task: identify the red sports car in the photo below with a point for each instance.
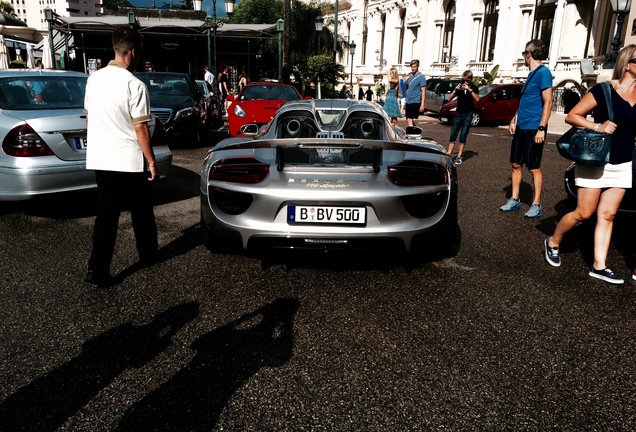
(255, 106)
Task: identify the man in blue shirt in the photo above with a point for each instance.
(529, 127)
(415, 93)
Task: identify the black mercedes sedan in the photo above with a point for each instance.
(177, 101)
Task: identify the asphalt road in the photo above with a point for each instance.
(490, 339)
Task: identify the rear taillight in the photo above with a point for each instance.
(23, 141)
(418, 173)
(239, 170)
(159, 137)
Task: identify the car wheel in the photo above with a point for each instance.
(476, 119)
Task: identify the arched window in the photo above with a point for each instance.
(491, 17)
(544, 20)
(449, 29)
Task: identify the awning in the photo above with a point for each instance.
(154, 24)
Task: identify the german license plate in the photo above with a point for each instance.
(444, 119)
(327, 215)
(80, 143)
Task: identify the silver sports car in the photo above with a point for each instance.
(43, 134)
(329, 174)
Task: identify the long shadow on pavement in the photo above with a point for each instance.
(46, 403)
(226, 358)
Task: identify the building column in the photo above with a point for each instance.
(477, 36)
(555, 39)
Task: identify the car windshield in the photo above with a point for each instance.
(42, 92)
(483, 91)
(267, 92)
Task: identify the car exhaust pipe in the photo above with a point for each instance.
(367, 129)
(249, 129)
(293, 129)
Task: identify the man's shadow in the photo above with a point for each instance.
(46, 403)
(226, 358)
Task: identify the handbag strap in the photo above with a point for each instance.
(608, 99)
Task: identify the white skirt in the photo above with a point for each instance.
(608, 176)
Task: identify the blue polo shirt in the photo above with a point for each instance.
(531, 102)
(414, 91)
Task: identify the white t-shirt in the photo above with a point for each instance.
(209, 78)
(115, 101)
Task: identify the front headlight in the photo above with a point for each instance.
(183, 113)
(238, 111)
(453, 109)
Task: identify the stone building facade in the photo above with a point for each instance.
(450, 36)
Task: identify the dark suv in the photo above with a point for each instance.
(177, 101)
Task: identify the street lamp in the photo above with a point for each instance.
(48, 16)
(352, 50)
(620, 8)
(132, 21)
(280, 27)
(319, 21)
(214, 24)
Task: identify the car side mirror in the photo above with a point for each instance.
(414, 132)
(493, 98)
(229, 97)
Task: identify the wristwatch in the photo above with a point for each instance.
(542, 128)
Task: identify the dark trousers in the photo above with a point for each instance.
(116, 192)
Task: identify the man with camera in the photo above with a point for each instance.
(467, 93)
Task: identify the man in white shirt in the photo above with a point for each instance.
(208, 76)
(117, 108)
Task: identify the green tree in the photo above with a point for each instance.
(303, 40)
(7, 8)
(111, 6)
(322, 66)
(258, 12)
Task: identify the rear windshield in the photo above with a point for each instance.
(42, 92)
(266, 92)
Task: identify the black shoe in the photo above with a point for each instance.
(99, 279)
(606, 275)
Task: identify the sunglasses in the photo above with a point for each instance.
(632, 60)
(524, 53)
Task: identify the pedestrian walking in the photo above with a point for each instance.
(368, 94)
(529, 127)
(208, 76)
(601, 189)
(415, 93)
(117, 106)
(467, 94)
